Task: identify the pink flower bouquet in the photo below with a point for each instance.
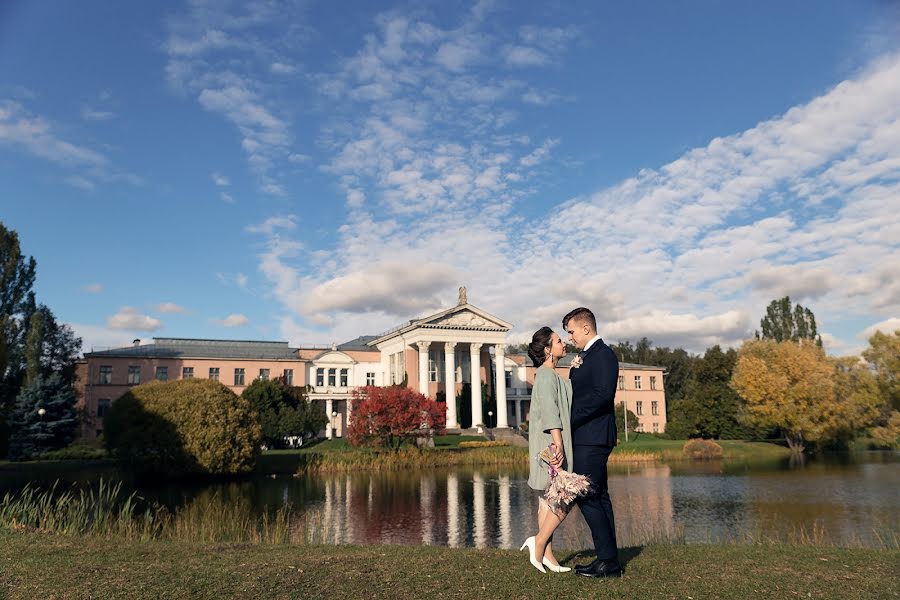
(564, 487)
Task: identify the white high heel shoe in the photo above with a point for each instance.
(529, 543)
(555, 568)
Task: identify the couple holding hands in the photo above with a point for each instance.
(572, 431)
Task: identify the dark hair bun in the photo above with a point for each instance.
(540, 341)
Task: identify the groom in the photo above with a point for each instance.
(594, 376)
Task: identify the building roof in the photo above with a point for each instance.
(360, 344)
(200, 348)
(461, 316)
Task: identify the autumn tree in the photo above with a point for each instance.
(785, 323)
(796, 388)
(387, 416)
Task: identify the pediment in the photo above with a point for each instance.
(333, 357)
(464, 317)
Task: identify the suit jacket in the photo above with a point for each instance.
(594, 386)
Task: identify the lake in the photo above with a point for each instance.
(845, 500)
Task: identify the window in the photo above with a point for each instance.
(239, 377)
(320, 377)
(289, 376)
(653, 382)
(162, 373)
(621, 382)
(370, 378)
(264, 374)
(214, 373)
(332, 373)
(103, 406)
(654, 408)
(435, 366)
(187, 373)
(656, 428)
(508, 375)
(134, 375)
(105, 375)
(639, 407)
(397, 369)
(637, 382)
(343, 377)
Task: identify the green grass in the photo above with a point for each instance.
(34, 565)
(650, 447)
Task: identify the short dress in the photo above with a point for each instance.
(551, 407)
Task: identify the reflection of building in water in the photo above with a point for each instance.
(642, 502)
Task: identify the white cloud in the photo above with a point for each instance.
(226, 198)
(280, 68)
(169, 307)
(130, 318)
(35, 135)
(90, 114)
(92, 288)
(238, 279)
(95, 338)
(888, 326)
(524, 56)
(220, 180)
(270, 225)
(232, 320)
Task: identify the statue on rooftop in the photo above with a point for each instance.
(462, 296)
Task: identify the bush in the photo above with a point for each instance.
(485, 444)
(184, 426)
(284, 411)
(699, 448)
(888, 436)
(77, 451)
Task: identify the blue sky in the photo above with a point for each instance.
(313, 171)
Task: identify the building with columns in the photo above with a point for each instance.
(457, 352)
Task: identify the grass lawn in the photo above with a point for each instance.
(45, 566)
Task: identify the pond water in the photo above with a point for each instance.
(840, 499)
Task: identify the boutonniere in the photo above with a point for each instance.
(576, 362)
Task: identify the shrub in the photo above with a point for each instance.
(888, 436)
(77, 451)
(184, 426)
(699, 448)
(284, 411)
(485, 444)
(387, 416)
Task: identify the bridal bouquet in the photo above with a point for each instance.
(564, 486)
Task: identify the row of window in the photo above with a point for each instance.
(640, 428)
(162, 374)
(637, 382)
(639, 408)
(345, 374)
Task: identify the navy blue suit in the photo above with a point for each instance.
(594, 385)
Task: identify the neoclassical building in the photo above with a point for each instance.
(458, 352)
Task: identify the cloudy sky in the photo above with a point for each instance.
(312, 171)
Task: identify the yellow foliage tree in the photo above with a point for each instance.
(798, 389)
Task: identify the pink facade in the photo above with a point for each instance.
(102, 380)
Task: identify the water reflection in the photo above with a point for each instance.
(838, 502)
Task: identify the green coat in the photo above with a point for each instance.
(551, 405)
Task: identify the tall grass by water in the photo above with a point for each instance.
(108, 511)
(409, 458)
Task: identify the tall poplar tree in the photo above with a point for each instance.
(784, 322)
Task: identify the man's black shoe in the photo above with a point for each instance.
(581, 569)
(601, 568)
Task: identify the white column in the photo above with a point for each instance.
(385, 369)
(423, 367)
(475, 376)
(453, 510)
(478, 497)
(329, 429)
(426, 507)
(500, 368)
(450, 384)
(505, 513)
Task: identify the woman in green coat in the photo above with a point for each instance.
(551, 403)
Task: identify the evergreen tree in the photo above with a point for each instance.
(284, 410)
(44, 417)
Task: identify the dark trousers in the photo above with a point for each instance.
(597, 508)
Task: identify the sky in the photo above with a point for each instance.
(314, 171)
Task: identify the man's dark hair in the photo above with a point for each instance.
(580, 314)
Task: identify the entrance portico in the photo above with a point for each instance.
(445, 351)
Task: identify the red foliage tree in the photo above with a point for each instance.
(386, 416)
